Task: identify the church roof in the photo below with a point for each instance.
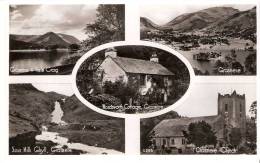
(138, 66)
(174, 127)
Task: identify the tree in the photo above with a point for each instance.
(250, 63)
(53, 47)
(253, 110)
(109, 26)
(74, 47)
(235, 137)
(251, 135)
(200, 133)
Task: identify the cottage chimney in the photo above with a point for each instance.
(111, 52)
(154, 58)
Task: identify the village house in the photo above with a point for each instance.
(147, 73)
(231, 115)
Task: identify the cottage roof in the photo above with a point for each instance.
(138, 66)
(174, 127)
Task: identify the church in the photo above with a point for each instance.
(231, 115)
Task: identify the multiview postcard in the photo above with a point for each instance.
(171, 79)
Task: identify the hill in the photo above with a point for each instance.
(243, 23)
(46, 40)
(29, 108)
(200, 19)
(147, 25)
(20, 45)
(77, 112)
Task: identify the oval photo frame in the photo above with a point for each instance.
(136, 43)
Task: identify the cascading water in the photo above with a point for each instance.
(62, 141)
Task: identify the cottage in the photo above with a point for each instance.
(148, 73)
(231, 115)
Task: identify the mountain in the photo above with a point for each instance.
(147, 25)
(241, 22)
(24, 38)
(200, 19)
(17, 45)
(69, 39)
(45, 40)
(52, 38)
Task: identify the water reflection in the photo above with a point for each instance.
(37, 59)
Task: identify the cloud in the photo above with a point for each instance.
(15, 14)
(56, 18)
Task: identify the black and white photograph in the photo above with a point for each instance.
(221, 119)
(132, 79)
(48, 119)
(216, 39)
(49, 39)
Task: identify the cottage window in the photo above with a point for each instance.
(172, 141)
(154, 142)
(164, 141)
(142, 80)
(183, 141)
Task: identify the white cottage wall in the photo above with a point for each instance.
(112, 71)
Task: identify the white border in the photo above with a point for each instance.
(124, 43)
(4, 51)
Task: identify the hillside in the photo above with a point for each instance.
(24, 38)
(147, 25)
(77, 112)
(68, 38)
(45, 40)
(29, 108)
(243, 22)
(200, 19)
(109, 132)
(20, 45)
(49, 39)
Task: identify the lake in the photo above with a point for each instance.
(31, 60)
(209, 65)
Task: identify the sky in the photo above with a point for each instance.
(40, 19)
(162, 14)
(203, 98)
(64, 89)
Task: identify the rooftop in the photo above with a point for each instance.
(138, 66)
(174, 127)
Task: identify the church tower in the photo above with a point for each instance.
(232, 107)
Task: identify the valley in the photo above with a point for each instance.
(49, 123)
(220, 30)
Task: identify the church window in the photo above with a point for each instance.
(226, 107)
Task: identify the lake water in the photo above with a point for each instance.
(209, 65)
(32, 59)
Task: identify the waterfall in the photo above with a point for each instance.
(63, 141)
(57, 114)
